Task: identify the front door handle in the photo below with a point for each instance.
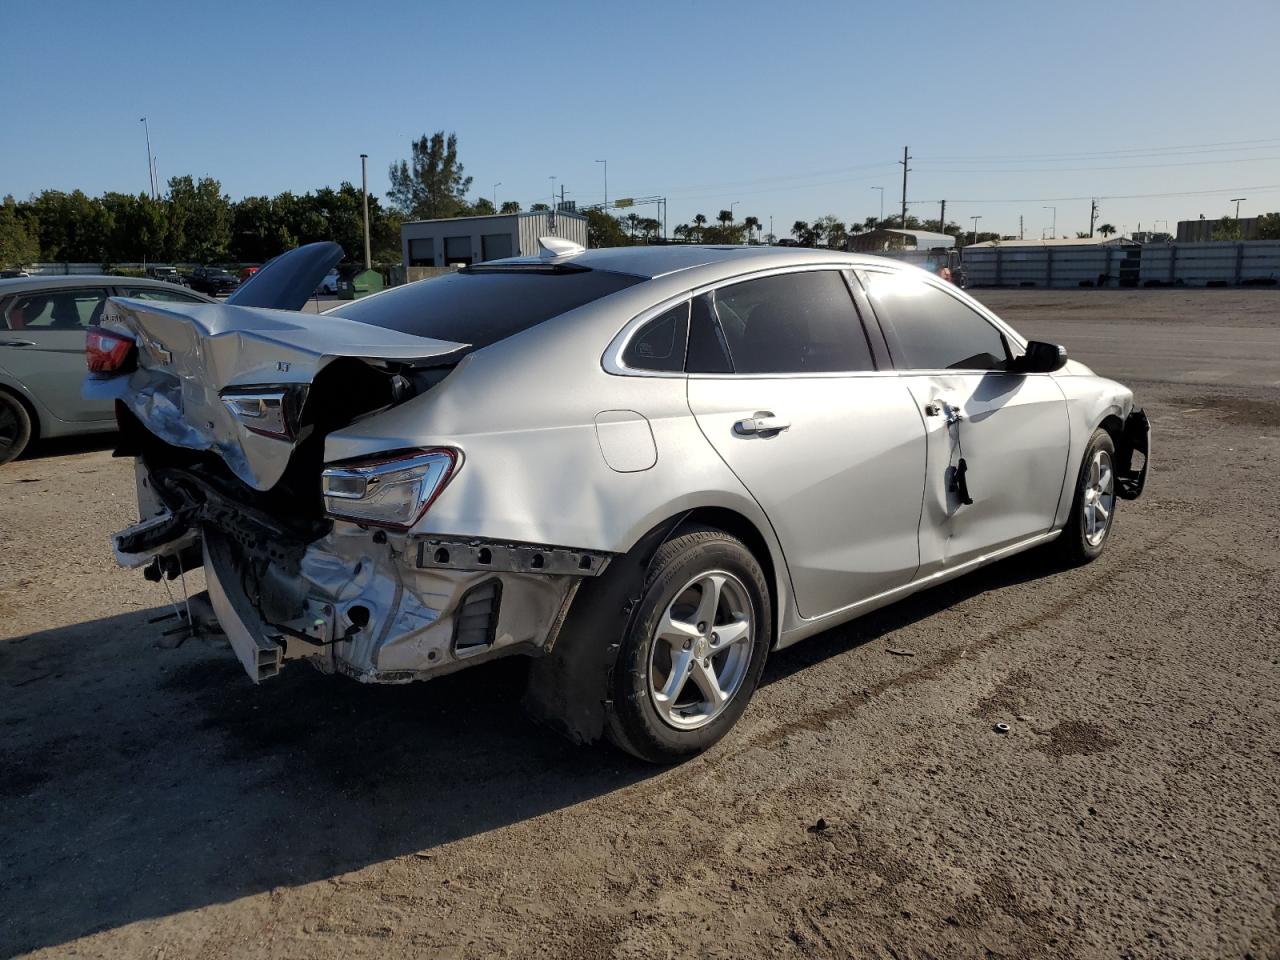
(762, 423)
(17, 343)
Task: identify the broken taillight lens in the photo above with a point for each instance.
(107, 352)
(391, 490)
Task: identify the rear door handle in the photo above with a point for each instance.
(17, 343)
(763, 422)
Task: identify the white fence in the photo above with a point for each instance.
(1221, 263)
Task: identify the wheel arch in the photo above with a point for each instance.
(740, 526)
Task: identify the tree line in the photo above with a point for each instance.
(194, 221)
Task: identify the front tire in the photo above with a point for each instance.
(1093, 510)
(15, 427)
(695, 649)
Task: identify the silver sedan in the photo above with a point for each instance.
(645, 468)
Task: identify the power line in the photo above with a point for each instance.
(1222, 145)
(1119, 196)
(1131, 166)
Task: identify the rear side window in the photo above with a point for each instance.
(484, 307)
(659, 344)
(793, 323)
(934, 330)
(708, 352)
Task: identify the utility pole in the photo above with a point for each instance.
(1054, 235)
(151, 170)
(942, 218)
(364, 190)
(771, 228)
(495, 195)
(606, 184)
(880, 222)
(1093, 214)
(1021, 235)
(905, 170)
(1236, 201)
(561, 207)
(975, 220)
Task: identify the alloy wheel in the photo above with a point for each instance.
(701, 650)
(1099, 498)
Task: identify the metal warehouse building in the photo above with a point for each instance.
(459, 241)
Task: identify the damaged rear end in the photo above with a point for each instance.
(227, 410)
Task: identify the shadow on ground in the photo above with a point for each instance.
(138, 783)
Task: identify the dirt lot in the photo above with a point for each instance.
(156, 804)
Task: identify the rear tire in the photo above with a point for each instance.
(1093, 510)
(695, 648)
(15, 427)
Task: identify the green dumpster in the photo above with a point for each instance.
(359, 284)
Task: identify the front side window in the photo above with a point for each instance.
(793, 323)
(935, 330)
(55, 310)
(660, 344)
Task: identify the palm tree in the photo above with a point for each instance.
(1106, 229)
(725, 217)
(633, 223)
(800, 230)
(752, 224)
(699, 223)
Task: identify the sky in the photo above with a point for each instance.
(788, 111)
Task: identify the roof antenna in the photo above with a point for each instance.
(554, 248)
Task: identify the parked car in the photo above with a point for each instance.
(13, 274)
(213, 281)
(644, 467)
(43, 322)
(247, 272)
(330, 283)
(167, 274)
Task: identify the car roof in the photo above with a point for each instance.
(17, 284)
(655, 261)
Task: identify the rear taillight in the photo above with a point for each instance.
(107, 352)
(389, 491)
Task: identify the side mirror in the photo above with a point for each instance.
(1041, 358)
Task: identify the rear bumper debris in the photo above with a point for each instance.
(377, 607)
(1135, 443)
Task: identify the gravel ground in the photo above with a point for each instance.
(157, 804)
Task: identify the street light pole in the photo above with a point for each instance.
(975, 220)
(606, 183)
(364, 190)
(151, 170)
(495, 195)
(881, 220)
(1236, 201)
(1055, 221)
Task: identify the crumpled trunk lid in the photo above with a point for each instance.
(192, 358)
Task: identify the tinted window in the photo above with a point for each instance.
(793, 323)
(708, 352)
(659, 344)
(55, 310)
(935, 331)
(484, 307)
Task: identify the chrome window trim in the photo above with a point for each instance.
(612, 359)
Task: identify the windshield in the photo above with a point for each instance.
(486, 306)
